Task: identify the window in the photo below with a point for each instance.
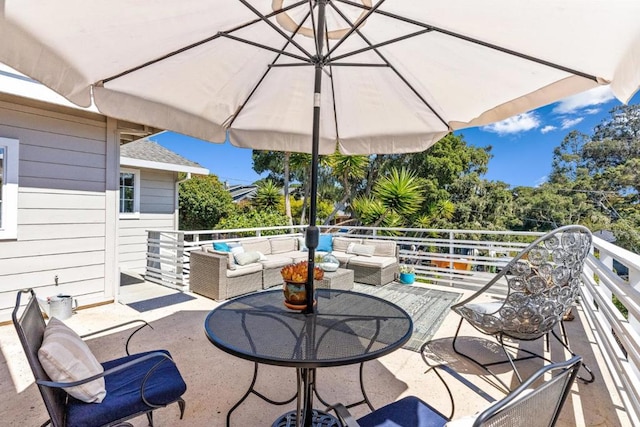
(129, 193)
(9, 156)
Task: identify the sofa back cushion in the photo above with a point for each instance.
(257, 245)
(361, 249)
(231, 262)
(383, 247)
(340, 244)
(283, 244)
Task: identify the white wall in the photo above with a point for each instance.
(64, 222)
(157, 212)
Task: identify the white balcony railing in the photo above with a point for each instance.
(465, 259)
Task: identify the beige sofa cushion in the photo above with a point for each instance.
(372, 261)
(257, 245)
(283, 244)
(275, 261)
(383, 247)
(343, 257)
(361, 249)
(341, 244)
(241, 270)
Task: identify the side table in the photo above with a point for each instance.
(341, 279)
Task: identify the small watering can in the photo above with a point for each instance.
(59, 306)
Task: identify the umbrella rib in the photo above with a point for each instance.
(275, 27)
(196, 44)
(273, 64)
(354, 28)
(375, 46)
(313, 27)
(478, 42)
(400, 76)
(333, 90)
(269, 48)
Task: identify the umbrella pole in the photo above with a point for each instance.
(313, 234)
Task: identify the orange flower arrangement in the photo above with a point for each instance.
(298, 272)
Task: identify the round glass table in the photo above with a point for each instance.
(347, 328)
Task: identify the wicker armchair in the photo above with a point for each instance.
(543, 283)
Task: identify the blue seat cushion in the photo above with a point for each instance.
(165, 385)
(406, 412)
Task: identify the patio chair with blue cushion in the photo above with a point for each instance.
(534, 403)
(542, 283)
(78, 390)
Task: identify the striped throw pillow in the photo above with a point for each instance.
(66, 358)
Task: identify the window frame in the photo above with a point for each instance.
(10, 185)
(136, 193)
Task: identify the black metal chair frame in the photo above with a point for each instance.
(30, 327)
(500, 335)
(564, 374)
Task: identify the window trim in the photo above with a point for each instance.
(136, 194)
(9, 205)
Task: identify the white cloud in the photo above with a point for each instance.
(597, 96)
(520, 123)
(541, 181)
(548, 128)
(591, 111)
(567, 123)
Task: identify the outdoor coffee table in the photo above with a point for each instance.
(347, 328)
(341, 279)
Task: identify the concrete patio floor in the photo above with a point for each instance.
(217, 380)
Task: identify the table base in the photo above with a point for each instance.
(320, 419)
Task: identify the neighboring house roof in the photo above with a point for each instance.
(242, 192)
(605, 235)
(144, 153)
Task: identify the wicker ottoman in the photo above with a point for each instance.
(341, 279)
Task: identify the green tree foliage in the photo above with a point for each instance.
(203, 203)
(599, 176)
(396, 196)
(349, 171)
(268, 196)
(255, 218)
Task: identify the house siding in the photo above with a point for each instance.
(157, 212)
(62, 204)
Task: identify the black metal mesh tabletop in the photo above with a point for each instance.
(347, 327)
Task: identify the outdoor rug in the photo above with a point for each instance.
(158, 302)
(427, 307)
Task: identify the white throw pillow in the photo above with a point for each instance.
(358, 249)
(245, 258)
(66, 358)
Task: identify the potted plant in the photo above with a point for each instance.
(295, 278)
(407, 274)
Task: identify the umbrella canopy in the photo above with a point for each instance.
(398, 75)
(361, 76)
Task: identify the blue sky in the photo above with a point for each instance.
(522, 145)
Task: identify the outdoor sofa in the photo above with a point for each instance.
(230, 268)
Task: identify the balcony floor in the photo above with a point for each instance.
(216, 380)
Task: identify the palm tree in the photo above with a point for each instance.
(400, 192)
(349, 170)
(267, 195)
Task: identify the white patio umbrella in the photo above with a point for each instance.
(361, 76)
